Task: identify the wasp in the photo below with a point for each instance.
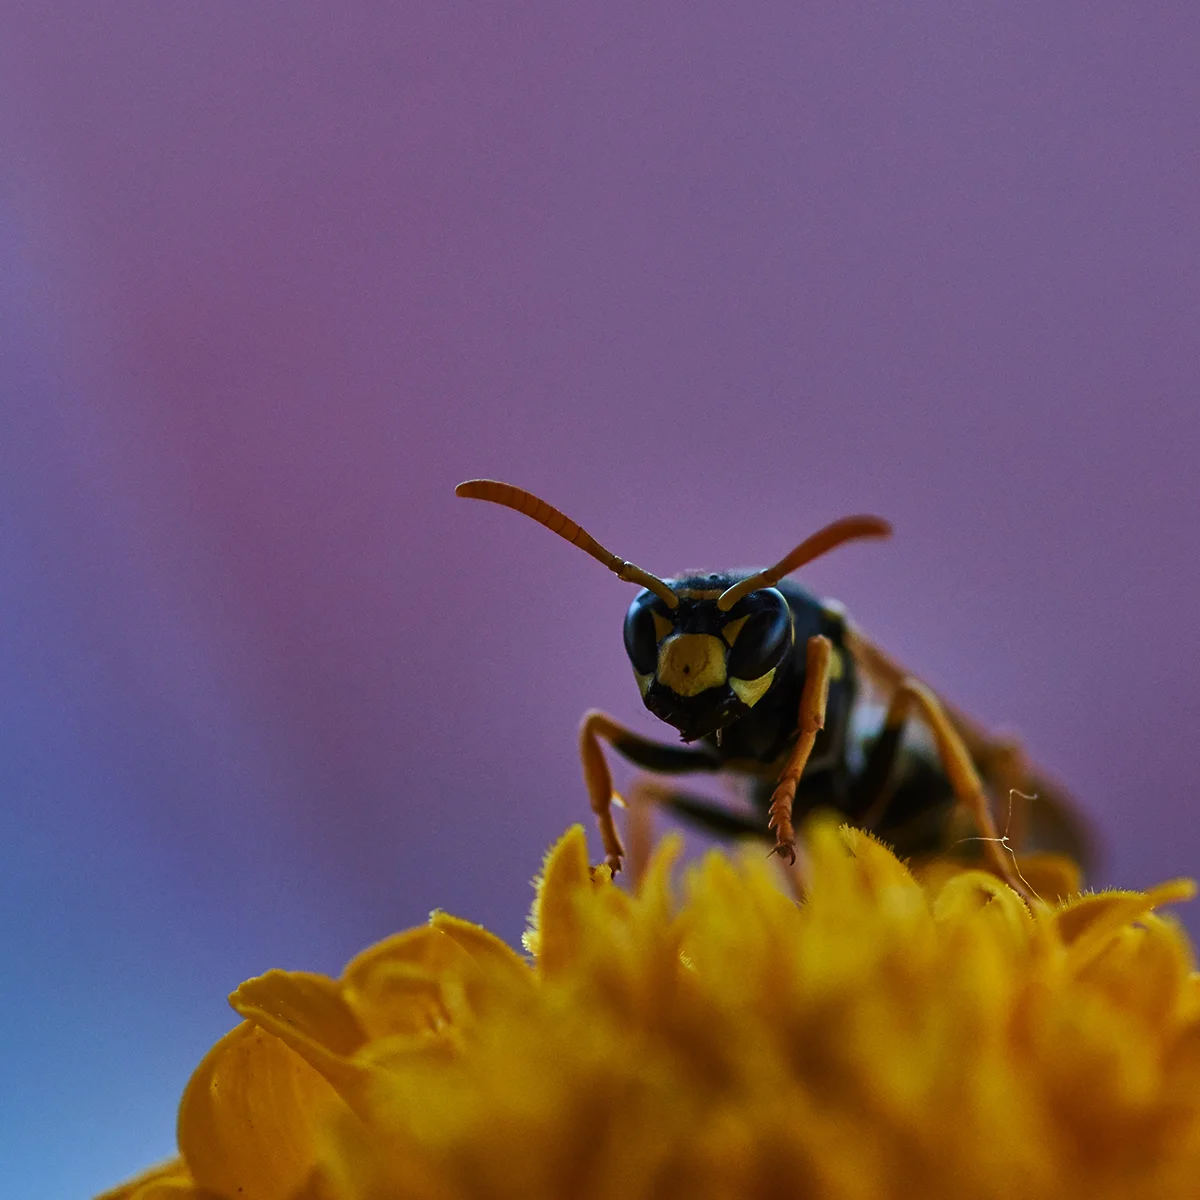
(763, 679)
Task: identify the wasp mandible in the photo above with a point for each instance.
(764, 679)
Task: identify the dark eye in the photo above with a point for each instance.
(641, 639)
(763, 637)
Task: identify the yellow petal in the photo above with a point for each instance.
(1051, 877)
(425, 947)
(395, 986)
(885, 1037)
(168, 1181)
(308, 1013)
(487, 972)
(421, 982)
(483, 947)
(176, 1188)
(302, 1005)
(1145, 969)
(249, 1117)
(864, 864)
(553, 933)
(1087, 924)
(971, 893)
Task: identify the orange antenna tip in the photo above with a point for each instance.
(558, 522)
(834, 534)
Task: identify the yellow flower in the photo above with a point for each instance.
(885, 1038)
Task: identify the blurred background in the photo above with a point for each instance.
(275, 277)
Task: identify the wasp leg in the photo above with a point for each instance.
(696, 810)
(638, 750)
(1001, 758)
(873, 789)
(908, 809)
(964, 778)
(812, 719)
(644, 795)
(990, 750)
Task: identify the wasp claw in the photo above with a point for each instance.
(786, 850)
(613, 863)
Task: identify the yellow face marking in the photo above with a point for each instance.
(644, 682)
(661, 626)
(691, 663)
(837, 667)
(733, 628)
(751, 691)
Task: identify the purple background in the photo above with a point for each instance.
(275, 277)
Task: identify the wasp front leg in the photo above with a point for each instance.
(813, 699)
(636, 749)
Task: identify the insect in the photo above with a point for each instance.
(762, 678)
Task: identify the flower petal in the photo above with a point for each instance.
(167, 1181)
(1051, 877)
(395, 986)
(1087, 923)
(884, 1037)
(553, 934)
(249, 1117)
(422, 982)
(482, 946)
(977, 892)
(299, 1005)
(308, 1013)
(487, 972)
(1145, 969)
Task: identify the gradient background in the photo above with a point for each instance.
(276, 276)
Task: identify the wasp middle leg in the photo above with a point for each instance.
(646, 794)
(872, 791)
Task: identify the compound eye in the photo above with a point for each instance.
(641, 633)
(762, 633)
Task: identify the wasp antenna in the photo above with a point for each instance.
(834, 534)
(558, 522)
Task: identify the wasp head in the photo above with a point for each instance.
(705, 648)
(700, 667)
